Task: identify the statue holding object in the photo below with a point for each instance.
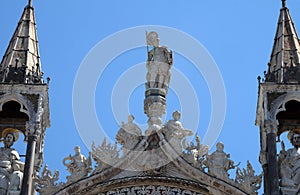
(79, 166)
(159, 63)
(289, 165)
(218, 163)
(11, 168)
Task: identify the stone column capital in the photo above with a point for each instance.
(270, 126)
(32, 129)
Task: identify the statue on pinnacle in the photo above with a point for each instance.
(159, 63)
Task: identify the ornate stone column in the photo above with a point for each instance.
(32, 132)
(271, 170)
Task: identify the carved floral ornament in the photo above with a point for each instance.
(152, 190)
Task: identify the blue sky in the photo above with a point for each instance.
(238, 35)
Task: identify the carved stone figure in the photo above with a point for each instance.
(129, 134)
(79, 166)
(11, 167)
(131, 127)
(289, 165)
(176, 126)
(248, 180)
(218, 163)
(159, 62)
(175, 132)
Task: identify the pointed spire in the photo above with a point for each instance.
(21, 61)
(286, 51)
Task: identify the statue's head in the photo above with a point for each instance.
(77, 149)
(130, 118)
(9, 135)
(220, 147)
(176, 115)
(152, 39)
(294, 137)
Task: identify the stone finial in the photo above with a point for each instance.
(283, 3)
(30, 3)
(46, 183)
(248, 180)
(196, 153)
(105, 155)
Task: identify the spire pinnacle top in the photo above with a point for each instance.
(283, 3)
(30, 3)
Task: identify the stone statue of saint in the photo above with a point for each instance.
(131, 127)
(159, 62)
(129, 133)
(176, 126)
(79, 166)
(175, 133)
(11, 168)
(218, 163)
(289, 165)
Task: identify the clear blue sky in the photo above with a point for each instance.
(238, 34)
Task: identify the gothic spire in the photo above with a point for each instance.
(21, 61)
(284, 64)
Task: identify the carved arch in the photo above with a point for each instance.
(26, 106)
(285, 111)
(278, 105)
